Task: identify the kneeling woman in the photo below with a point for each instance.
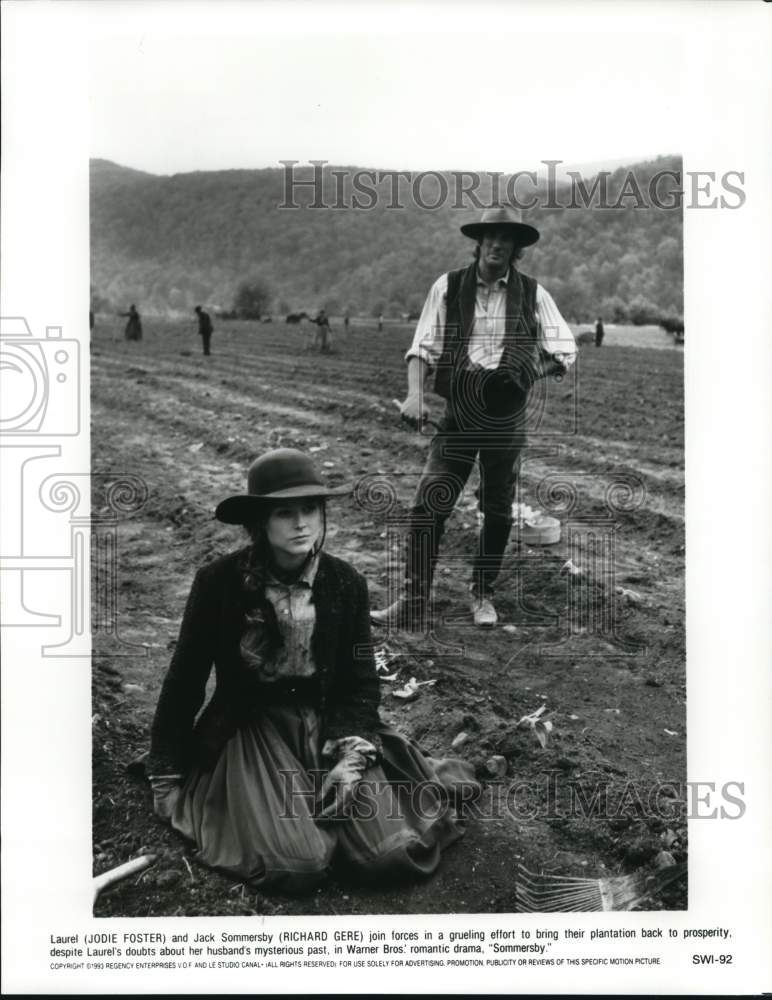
(289, 769)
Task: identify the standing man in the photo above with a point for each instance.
(205, 328)
(323, 333)
(599, 331)
(380, 323)
(487, 332)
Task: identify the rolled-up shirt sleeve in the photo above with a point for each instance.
(555, 337)
(427, 341)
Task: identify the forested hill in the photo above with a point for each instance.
(167, 243)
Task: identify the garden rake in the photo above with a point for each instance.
(561, 894)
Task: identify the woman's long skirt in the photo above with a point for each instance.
(252, 815)
(133, 330)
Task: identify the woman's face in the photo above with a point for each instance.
(292, 529)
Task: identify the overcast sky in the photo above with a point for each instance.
(179, 86)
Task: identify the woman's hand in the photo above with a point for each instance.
(341, 783)
(166, 792)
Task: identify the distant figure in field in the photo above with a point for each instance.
(91, 319)
(380, 323)
(323, 336)
(134, 326)
(205, 328)
(599, 332)
(346, 322)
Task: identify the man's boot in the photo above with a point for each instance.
(406, 613)
(494, 535)
(483, 611)
(409, 610)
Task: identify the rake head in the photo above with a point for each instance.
(562, 894)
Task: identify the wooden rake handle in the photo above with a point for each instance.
(100, 882)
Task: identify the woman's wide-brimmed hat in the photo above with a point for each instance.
(503, 217)
(283, 474)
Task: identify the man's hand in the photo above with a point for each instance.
(550, 364)
(413, 411)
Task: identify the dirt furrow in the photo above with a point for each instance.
(617, 707)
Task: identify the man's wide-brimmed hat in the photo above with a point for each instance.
(283, 474)
(503, 217)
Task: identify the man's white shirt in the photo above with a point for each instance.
(486, 342)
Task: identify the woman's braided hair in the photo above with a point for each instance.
(260, 635)
(255, 565)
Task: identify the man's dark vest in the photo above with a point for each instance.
(521, 353)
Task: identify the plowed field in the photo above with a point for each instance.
(606, 457)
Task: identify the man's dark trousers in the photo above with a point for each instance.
(207, 338)
(485, 419)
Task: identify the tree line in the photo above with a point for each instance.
(168, 243)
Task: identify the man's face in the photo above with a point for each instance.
(496, 247)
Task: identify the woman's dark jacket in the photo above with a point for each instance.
(345, 688)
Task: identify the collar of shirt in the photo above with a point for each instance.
(504, 280)
(306, 578)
